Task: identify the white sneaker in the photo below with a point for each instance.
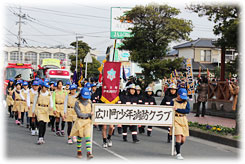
(74, 138)
(179, 157)
(39, 141)
(43, 142)
(36, 131)
(104, 145)
(33, 132)
(109, 143)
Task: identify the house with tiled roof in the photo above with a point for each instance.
(203, 53)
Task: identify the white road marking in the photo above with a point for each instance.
(209, 143)
(112, 152)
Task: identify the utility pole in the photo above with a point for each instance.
(19, 33)
(77, 48)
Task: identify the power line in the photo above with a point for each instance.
(93, 7)
(67, 14)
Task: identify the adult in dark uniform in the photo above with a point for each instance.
(17, 78)
(130, 98)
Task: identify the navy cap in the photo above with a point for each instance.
(68, 83)
(37, 79)
(46, 80)
(73, 86)
(87, 85)
(85, 93)
(51, 82)
(45, 84)
(55, 84)
(18, 82)
(25, 83)
(11, 79)
(35, 83)
(93, 85)
(183, 93)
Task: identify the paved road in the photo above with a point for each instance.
(20, 144)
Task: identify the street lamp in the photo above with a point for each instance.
(77, 37)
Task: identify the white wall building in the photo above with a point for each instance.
(34, 55)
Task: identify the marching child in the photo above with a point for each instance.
(82, 126)
(10, 101)
(181, 107)
(58, 100)
(30, 101)
(18, 98)
(51, 113)
(25, 91)
(69, 113)
(149, 100)
(42, 104)
(170, 94)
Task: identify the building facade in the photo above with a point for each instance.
(34, 55)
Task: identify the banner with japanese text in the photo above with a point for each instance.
(111, 81)
(157, 115)
(189, 76)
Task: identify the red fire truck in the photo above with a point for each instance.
(14, 69)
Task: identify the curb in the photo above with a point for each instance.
(213, 138)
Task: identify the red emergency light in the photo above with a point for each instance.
(59, 72)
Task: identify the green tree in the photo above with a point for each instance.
(83, 49)
(226, 19)
(155, 27)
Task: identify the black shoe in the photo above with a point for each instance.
(27, 126)
(196, 115)
(148, 133)
(136, 141)
(113, 132)
(119, 130)
(125, 138)
(202, 115)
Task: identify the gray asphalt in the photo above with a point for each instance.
(21, 145)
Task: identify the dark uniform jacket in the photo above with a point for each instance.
(149, 100)
(168, 98)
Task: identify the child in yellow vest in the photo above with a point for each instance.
(18, 98)
(181, 107)
(59, 100)
(30, 101)
(82, 126)
(25, 91)
(53, 85)
(70, 114)
(9, 99)
(42, 104)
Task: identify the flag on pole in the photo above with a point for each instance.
(124, 75)
(175, 73)
(171, 77)
(207, 73)
(74, 79)
(81, 76)
(200, 69)
(111, 81)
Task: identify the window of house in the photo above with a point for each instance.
(60, 56)
(5, 56)
(44, 55)
(14, 56)
(206, 55)
(31, 57)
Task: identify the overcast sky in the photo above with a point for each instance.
(56, 24)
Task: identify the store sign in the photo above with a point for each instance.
(119, 28)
